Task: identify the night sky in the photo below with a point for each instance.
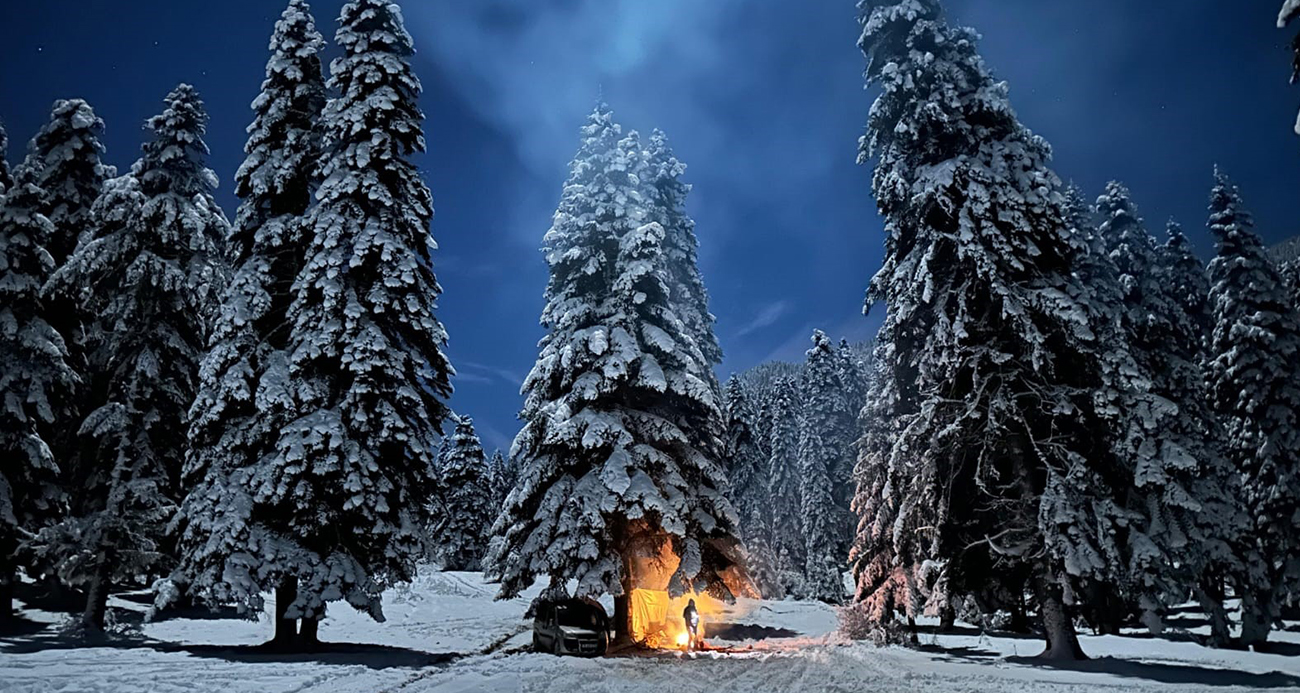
(762, 99)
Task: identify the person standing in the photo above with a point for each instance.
(691, 616)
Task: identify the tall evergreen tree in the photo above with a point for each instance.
(6, 177)
(1255, 388)
(748, 478)
(619, 454)
(1188, 284)
(465, 510)
(237, 501)
(85, 475)
(740, 443)
(1119, 396)
(1183, 278)
(1184, 492)
(155, 260)
(504, 476)
(885, 561)
(851, 374)
(824, 429)
(788, 542)
(64, 161)
(1291, 278)
(994, 362)
(35, 380)
(365, 350)
(1289, 12)
(681, 247)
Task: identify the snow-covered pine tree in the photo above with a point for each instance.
(688, 297)
(1291, 278)
(72, 285)
(36, 381)
(182, 229)
(503, 480)
(1183, 491)
(154, 263)
(825, 425)
(747, 485)
(466, 511)
(433, 503)
(6, 177)
(992, 351)
(854, 365)
(1104, 601)
(1251, 369)
(681, 247)
(236, 507)
(788, 542)
(1290, 11)
(1187, 282)
(885, 562)
(1183, 277)
(740, 444)
(365, 350)
(63, 160)
(851, 370)
(617, 457)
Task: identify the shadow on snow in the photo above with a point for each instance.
(40, 639)
(1165, 672)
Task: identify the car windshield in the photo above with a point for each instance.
(578, 617)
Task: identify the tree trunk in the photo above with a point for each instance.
(92, 618)
(1062, 642)
(623, 606)
(1257, 617)
(286, 629)
(1213, 605)
(947, 617)
(55, 591)
(623, 618)
(1019, 614)
(8, 577)
(309, 633)
(7, 597)
(1116, 613)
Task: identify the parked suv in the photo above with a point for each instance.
(571, 627)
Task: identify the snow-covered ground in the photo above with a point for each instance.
(445, 633)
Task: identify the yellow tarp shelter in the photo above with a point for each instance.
(649, 612)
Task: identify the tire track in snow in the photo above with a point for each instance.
(492, 649)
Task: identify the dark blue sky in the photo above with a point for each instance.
(763, 99)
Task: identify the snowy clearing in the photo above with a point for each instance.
(445, 633)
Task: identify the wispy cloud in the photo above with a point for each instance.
(464, 375)
(536, 68)
(765, 318)
(792, 348)
(487, 373)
